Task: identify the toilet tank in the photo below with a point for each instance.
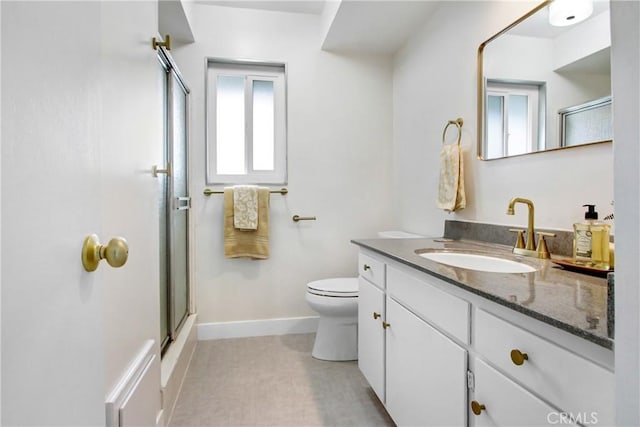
(397, 235)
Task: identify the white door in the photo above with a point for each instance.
(132, 142)
(74, 163)
(426, 373)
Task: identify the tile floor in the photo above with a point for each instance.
(273, 381)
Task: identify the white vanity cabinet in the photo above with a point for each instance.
(371, 313)
(425, 368)
(502, 402)
(578, 389)
(371, 335)
(439, 355)
(416, 370)
(426, 383)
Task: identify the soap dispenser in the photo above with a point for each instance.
(591, 241)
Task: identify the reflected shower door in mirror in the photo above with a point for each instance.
(543, 87)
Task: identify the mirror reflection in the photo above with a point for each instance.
(544, 87)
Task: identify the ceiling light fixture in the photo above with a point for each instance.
(568, 12)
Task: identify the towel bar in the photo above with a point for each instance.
(297, 218)
(458, 123)
(208, 192)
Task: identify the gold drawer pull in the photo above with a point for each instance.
(366, 267)
(375, 315)
(477, 407)
(385, 325)
(518, 357)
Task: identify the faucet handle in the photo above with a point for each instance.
(520, 238)
(543, 251)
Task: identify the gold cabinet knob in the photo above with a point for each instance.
(518, 357)
(366, 267)
(376, 315)
(477, 407)
(115, 252)
(385, 325)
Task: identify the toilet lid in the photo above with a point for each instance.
(340, 287)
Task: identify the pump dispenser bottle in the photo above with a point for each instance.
(591, 241)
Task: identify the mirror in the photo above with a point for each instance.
(543, 87)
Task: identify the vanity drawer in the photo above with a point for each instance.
(564, 379)
(443, 310)
(506, 404)
(372, 269)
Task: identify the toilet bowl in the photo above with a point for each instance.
(336, 302)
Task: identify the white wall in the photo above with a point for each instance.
(0, 213)
(435, 81)
(625, 54)
(339, 149)
(583, 40)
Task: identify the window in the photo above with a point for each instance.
(586, 123)
(515, 117)
(246, 123)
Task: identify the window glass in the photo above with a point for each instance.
(263, 125)
(519, 135)
(230, 121)
(495, 125)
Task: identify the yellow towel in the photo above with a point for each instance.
(247, 243)
(245, 207)
(451, 195)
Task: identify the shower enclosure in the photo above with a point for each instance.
(174, 203)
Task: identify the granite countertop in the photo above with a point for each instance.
(574, 302)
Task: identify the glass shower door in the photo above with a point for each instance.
(180, 203)
(174, 206)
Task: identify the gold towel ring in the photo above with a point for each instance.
(458, 122)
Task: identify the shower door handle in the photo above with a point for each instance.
(155, 170)
(183, 203)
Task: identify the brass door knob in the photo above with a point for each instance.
(376, 315)
(518, 357)
(385, 325)
(477, 407)
(115, 252)
(366, 267)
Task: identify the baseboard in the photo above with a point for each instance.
(174, 366)
(257, 328)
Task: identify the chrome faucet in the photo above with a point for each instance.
(530, 248)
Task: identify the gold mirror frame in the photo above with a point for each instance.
(481, 89)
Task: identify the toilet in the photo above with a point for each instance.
(336, 302)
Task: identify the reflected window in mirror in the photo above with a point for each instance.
(568, 66)
(514, 111)
(591, 121)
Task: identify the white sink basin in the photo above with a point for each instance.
(478, 262)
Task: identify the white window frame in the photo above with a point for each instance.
(535, 109)
(250, 70)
